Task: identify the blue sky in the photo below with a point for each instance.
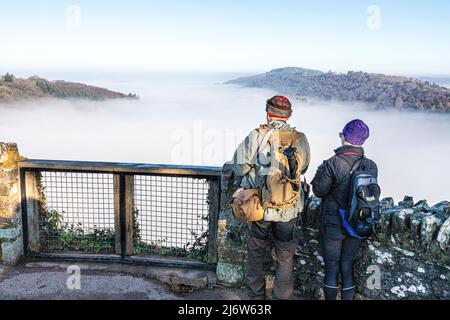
(234, 36)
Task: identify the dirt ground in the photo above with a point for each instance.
(50, 281)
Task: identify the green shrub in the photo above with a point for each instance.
(8, 77)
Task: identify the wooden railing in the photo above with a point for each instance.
(183, 200)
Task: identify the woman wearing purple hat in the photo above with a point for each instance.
(332, 184)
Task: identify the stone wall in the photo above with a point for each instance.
(11, 244)
(410, 253)
(232, 252)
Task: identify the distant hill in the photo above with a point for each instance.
(378, 89)
(15, 89)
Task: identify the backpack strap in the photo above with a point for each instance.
(355, 166)
(350, 154)
(267, 131)
(349, 173)
(263, 128)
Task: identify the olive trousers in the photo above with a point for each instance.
(258, 241)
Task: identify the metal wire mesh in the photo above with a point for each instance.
(171, 215)
(78, 214)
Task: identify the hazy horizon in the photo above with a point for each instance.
(95, 75)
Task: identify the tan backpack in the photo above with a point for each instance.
(278, 189)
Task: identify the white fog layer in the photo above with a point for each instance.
(199, 121)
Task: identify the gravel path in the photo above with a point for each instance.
(24, 282)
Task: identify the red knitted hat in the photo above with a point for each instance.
(279, 106)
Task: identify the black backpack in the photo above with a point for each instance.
(360, 217)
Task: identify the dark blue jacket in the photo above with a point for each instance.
(332, 182)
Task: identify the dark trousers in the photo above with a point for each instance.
(285, 246)
(340, 252)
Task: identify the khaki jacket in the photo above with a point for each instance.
(247, 165)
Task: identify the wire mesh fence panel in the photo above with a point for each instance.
(78, 213)
(171, 216)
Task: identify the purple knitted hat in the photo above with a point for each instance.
(356, 132)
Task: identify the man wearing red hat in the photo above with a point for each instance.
(271, 160)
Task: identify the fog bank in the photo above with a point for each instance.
(200, 121)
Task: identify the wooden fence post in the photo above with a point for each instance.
(214, 207)
(33, 212)
(129, 208)
(123, 213)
